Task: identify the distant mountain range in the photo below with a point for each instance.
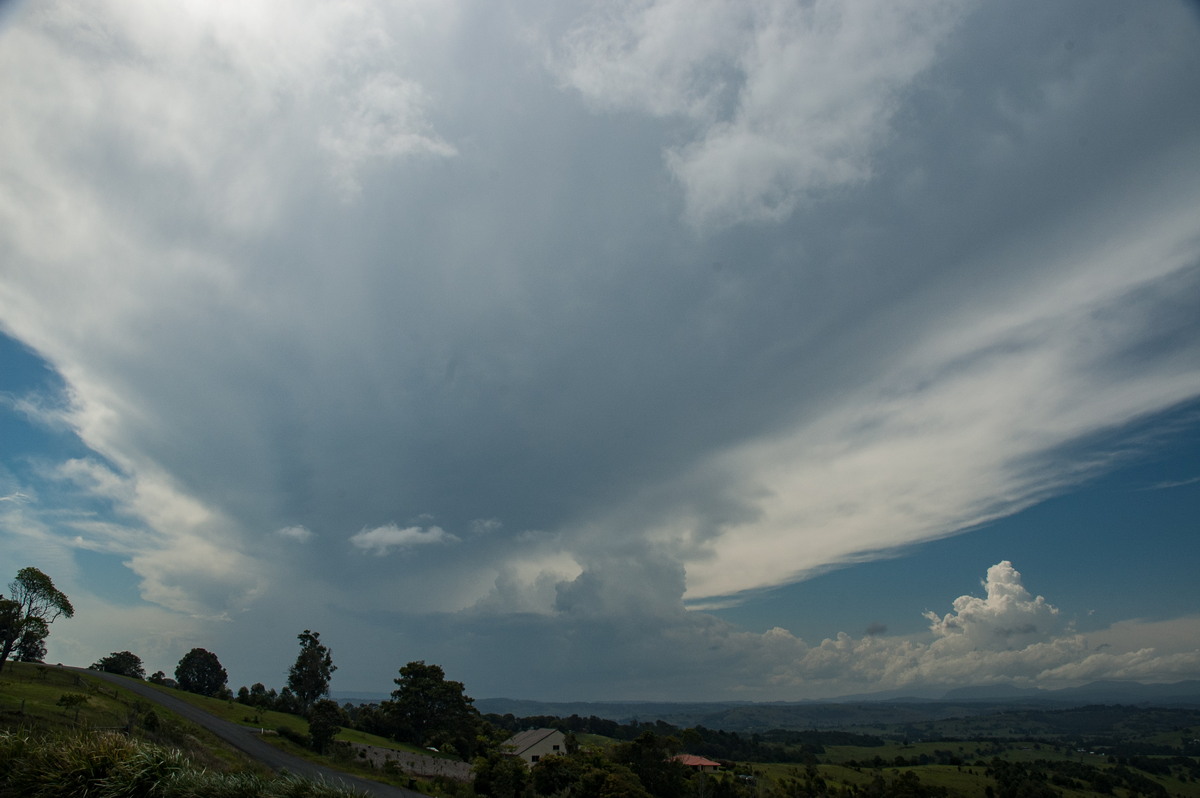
(1109, 692)
(856, 710)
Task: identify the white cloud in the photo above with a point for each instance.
(788, 100)
(1005, 618)
(383, 539)
(612, 615)
(268, 86)
(987, 398)
(382, 119)
(1006, 636)
(186, 556)
(158, 636)
(298, 533)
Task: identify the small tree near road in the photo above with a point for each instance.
(200, 672)
(325, 719)
(309, 678)
(122, 663)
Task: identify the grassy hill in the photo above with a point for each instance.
(45, 700)
(65, 734)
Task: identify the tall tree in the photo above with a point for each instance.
(427, 707)
(32, 599)
(309, 677)
(200, 672)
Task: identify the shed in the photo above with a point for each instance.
(534, 744)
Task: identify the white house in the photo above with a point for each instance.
(534, 744)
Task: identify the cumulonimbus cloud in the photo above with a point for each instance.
(309, 271)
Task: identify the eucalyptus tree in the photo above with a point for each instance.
(32, 604)
(309, 678)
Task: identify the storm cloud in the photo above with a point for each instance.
(444, 324)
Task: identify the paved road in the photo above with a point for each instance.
(251, 744)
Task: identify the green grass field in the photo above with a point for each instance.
(971, 778)
(30, 695)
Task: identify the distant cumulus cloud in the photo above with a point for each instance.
(383, 539)
(1004, 618)
(1006, 636)
(300, 534)
(485, 526)
(610, 617)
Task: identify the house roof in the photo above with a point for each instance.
(693, 761)
(523, 741)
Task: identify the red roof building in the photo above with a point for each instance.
(697, 762)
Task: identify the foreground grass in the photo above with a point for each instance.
(79, 764)
(29, 706)
(31, 702)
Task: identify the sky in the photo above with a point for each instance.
(636, 349)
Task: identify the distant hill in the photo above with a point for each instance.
(1106, 692)
(343, 697)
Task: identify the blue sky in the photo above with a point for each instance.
(661, 350)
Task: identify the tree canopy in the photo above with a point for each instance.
(32, 604)
(200, 672)
(426, 707)
(308, 679)
(32, 645)
(123, 663)
(325, 720)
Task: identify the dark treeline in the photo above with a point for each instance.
(426, 709)
(779, 745)
(1043, 778)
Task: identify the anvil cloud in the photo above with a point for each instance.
(461, 331)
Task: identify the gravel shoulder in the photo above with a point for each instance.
(249, 743)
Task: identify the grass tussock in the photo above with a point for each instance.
(110, 765)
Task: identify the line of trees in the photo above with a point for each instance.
(425, 709)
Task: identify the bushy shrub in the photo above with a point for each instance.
(299, 738)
